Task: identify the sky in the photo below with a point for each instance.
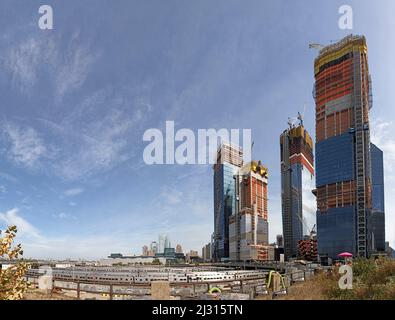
(76, 100)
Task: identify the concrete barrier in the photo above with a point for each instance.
(160, 290)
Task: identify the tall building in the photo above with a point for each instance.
(164, 243)
(377, 218)
(192, 256)
(297, 183)
(279, 240)
(178, 248)
(145, 251)
(342, 95)
(206, 252)
(154, 247)
(248, 226)
(228, 162)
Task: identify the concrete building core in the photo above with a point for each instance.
(248, 226)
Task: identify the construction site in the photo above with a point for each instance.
(202, 283)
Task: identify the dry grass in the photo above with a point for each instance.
(308, 290)
(373, 280)
(35, 294)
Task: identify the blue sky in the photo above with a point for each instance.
(76, 100)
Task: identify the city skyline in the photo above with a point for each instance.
(77, 100)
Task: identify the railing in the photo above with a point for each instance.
(112, 292)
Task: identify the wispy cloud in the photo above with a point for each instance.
(22, 62)
(91, 138)
(87, 246)
(72, 73)
(383, 137)
(25, 229)
(38, 57)
(171, 195)
(73, 192)
(8, 177)
(26, 147)
(64, 216)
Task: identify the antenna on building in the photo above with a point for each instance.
(290, 124)
(300, 118)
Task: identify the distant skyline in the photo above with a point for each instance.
(76, 101)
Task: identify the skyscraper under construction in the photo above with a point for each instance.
(248, 226)
(297, 183)
(342, 95)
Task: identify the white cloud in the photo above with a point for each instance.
(74, 71)
(26, 147)
(38, 246)
(3, 189)
(73, 192)
(8, 177)
(33, 57)
(171, 195)
(25, 229)
(274, 218)
(92, 138)
(22, 62)
(382, 136)
(64, 216)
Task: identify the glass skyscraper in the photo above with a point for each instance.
(342, 95)
(163, 243)
(377, 218)
(229, 161)
(297, 184)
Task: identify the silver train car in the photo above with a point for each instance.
(145, 275)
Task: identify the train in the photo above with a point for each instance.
(144, 275)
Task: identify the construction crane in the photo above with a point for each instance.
(312, 231)
(293, 120)
(316, 46)
(319, 46)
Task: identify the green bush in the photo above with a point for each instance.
(372, 279)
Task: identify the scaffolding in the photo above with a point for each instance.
(360, 157)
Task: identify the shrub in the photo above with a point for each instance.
(372, 279)
(12, 280)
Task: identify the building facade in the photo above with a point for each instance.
(192, 256)
(279, 240)
(377, 218)
(154, 247)
(342, 95)
(206, 252)
(163, 243)
(178, 248)
(297, 183)
(248, 226)
(228, 162)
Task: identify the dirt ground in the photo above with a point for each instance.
(35, 294)
(308, 290)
